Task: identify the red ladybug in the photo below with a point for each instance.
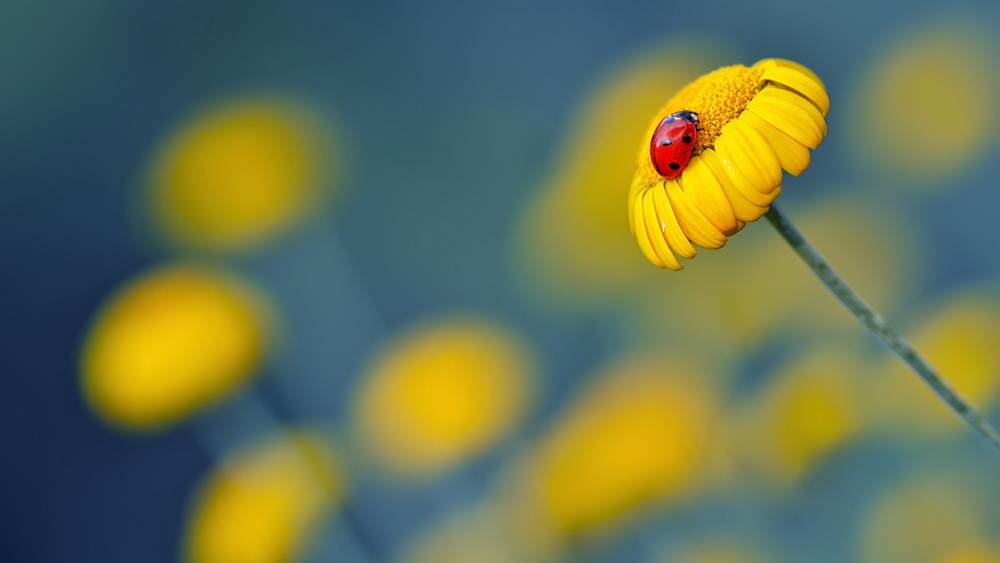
(672, 143)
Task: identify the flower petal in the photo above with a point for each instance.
(706, 192)
(771, 63)
(637, 185)
(656, 234)
(751, 155)
(744, 209)
(641, 235)
(809, 87)
(793, 155)
(676, 239)
(727, 161)
(693, 222)
(790, 113)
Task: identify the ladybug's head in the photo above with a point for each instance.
(688, 115)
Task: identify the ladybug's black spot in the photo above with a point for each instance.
(674, 166)
(686, 139)
(665, 142)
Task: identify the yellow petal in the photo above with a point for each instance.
(637, 184)
(676, 239)
(704, 189)
(742, 184)
(772, 63)
(744, 209)
(751, 154)
(793, 155)
(791, 113)
(656, 234)
(640, 234)
(810, 88)
(693, 222)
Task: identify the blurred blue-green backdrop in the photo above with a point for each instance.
(431, 196)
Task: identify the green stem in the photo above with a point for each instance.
(877, 325)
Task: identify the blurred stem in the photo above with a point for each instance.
(877, 325)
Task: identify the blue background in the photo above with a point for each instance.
(453, 112)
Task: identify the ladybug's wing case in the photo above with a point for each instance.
(672, 143)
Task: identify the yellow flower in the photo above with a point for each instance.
(928, 517)
(172, 342)
(238, 173)
(442, 392)
(806, 412)
(571, 248)
(925, 110)
(637, 436)
(263, 503)
(754, 122)
(974, 552)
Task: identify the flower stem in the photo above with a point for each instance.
(877, 325)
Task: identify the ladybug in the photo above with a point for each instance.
(672, 143)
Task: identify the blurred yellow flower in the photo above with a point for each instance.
(958, 337)
(807, 410)
(978, 552)
(171, 342)
(926, 108)
(441, 392)
(571, 247)
(925, 519)
(237, 173)
(637, 436)
(262, 503)
(754, 122)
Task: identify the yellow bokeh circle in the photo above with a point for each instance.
(926, 108)
(171, 342)
(805, 412)
(262, 504)
(638, 435)
(974, 552)
(927, 518)
(442, 391)
(237, 173)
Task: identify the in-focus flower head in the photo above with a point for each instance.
(753, 122)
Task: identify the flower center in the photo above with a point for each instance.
(717, 98)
